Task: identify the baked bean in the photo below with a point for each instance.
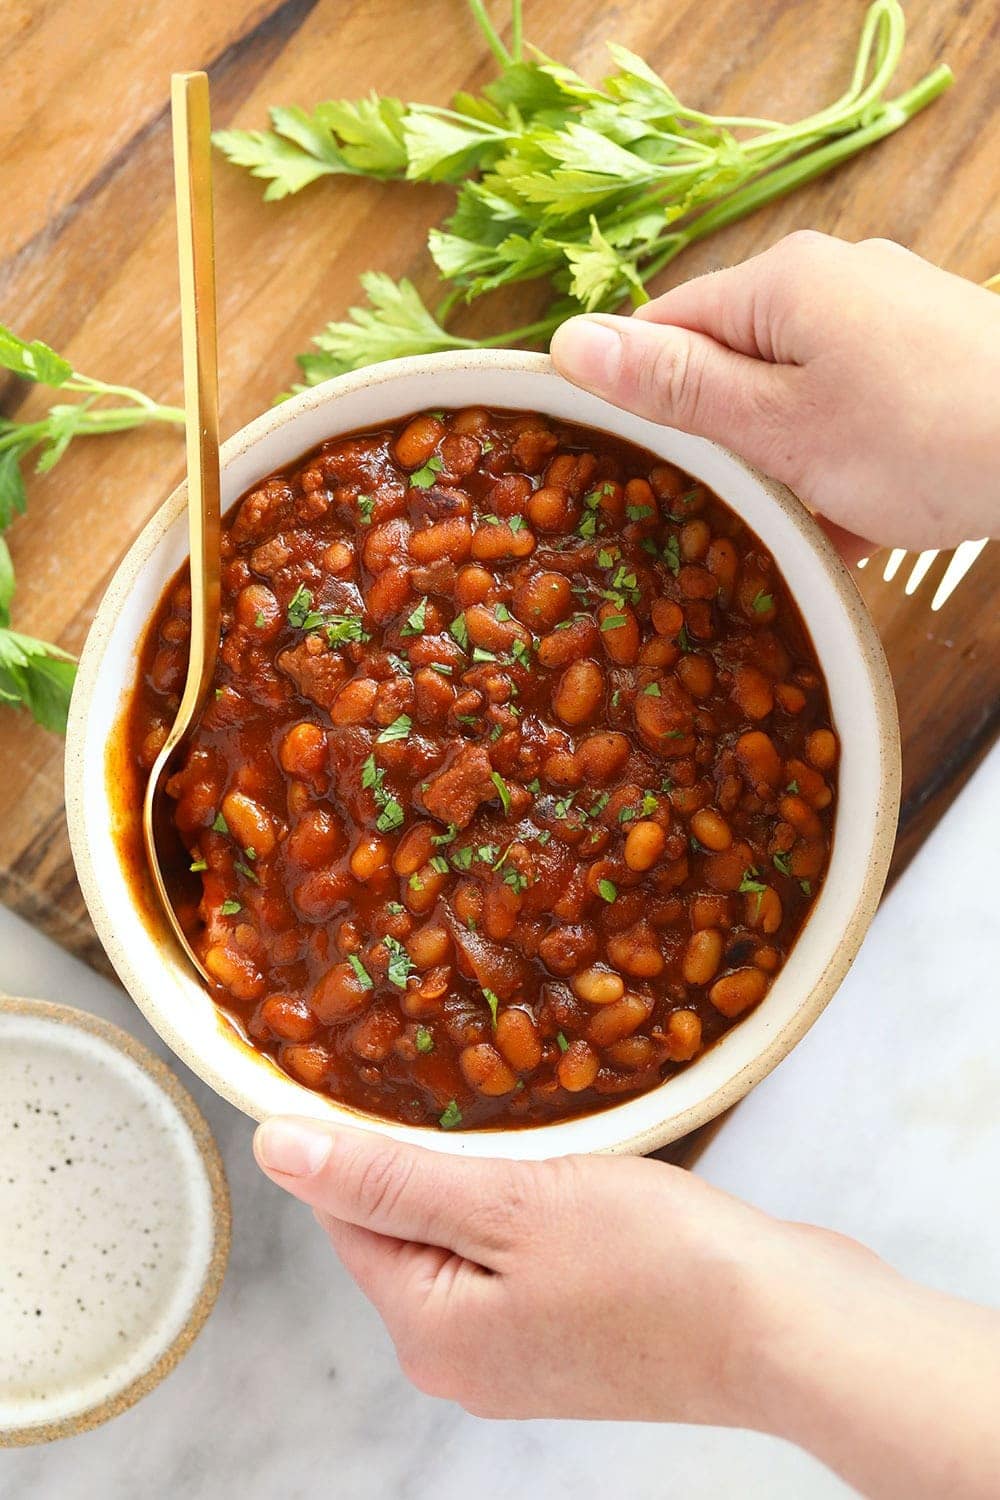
(303, 750)
(429, 946)
(736, 992)
(763, 909)
(758, 759)
(644, 844)
(683, 1035)
(423, 888)
(791, 698)
(496, 543)
(542, 600)
(637, 952)
(601, 756)
(619, 633)
(577, 695)
(370, 857)
(518, 1040)
(251, 825)
(752, 692)
(578, 1067)
(634, 1053)
(697, 673)
(710, 911)
(338, 559)
(702, 956)
(288, 1017)
(694, 540)
(417, 441)
(598, 986)
(668, 617)
(355, 702)
(561, 647)
(321, 894)
(308, 1062)
(236, 971)
(711, 830)
(821, 749)
(388, 594)
(613, 1022)
(340, 993)
(474, 585)
(451, 538)
(493, 634)
(314, 840)
(486, 1071)
(551, 509)
(257, 610)
(796, 810)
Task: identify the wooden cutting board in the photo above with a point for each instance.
(87, 256)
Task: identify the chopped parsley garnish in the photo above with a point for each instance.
(423, 478)
(480, 653)
(502, 791)
(397, 730)
(684, 640)
(450, 833)
(607, 890)
(442, 667)
(395, 907)
(196, 865)
(563, 1043)
(672, 554)
(469, 719)
(517, 523)
(534, 786)
(599, 805)
(544, 837)
(616, 697)
(495, 733)
(439, 863)
(493, 1002)
(246, 870)
(462, 858)
(638, 512)
(391, 814)
(487, 853)
(792, 787)
(763, 602)
(452, 1116)
(220, 825)
(366, 504)
(300, 610)
(781, 863)
(750, 884)
(363, 977)
(339, 629)
(458, 630)
(674, 734)
(399, 664)
(423, 1041)
(614, 622)
(415, 883)
(230, 908)
(562, 806)
(501, 613)
(605, 559)
(805, 886)
(259, 620)
(400, 962)
(515, 880)
(416, 622)
(520, 652)
(391, 817)
(652, 690)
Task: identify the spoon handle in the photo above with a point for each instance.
(199, 342)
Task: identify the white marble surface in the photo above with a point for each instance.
(884, 1123)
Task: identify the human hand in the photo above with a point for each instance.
(862, 376)
(578, 1287)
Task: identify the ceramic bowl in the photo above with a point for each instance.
(156, 974)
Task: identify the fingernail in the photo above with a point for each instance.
(294, 1148)
(588, 352)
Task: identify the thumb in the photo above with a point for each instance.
(394, 1189)
(683, 379)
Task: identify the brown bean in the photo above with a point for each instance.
(683, 1035)
(423, 889)
(578, 1067)
(491, 633)
(598, 986)
(619, 633)
(308, 1062)
(451, 538)
(752, 691)
(288, 1017)
(668, 617)
(711, 830)
(303, 751)
(577, 695)
(370, 857)
(518, 1040)
(763, 909)
(417, 441)
(429, 946)
(736, 992)
(602, 756)
(321, 894)
(551, 509)
(542, 600)
(251, 825)
(759, 760)
(257, 610)
(561, 647)
(694, 540)
(636, 951)
(388, 593)
(386, 544)
(702, 956)
(340, 993)
(314, 840)
(644, 844)
(496, 543)
(613, 1022)
(338, 559)
(485, 1070)
(474, 585)
(697, 673)
(821, 749)
(355, 701)
(796, 810)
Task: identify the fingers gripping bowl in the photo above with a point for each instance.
(860, 699)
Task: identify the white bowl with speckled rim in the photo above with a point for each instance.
(114, 1221)
(864, 711)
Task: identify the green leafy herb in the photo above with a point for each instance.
(300, 612)
(423, 1041)
(763, 602)
(366, 505)
(449, 835)
(521, 653)
(400, 962)
(544, 837)
(652, 690)
(452, 1116)
(364, 978)
(638, 512)
(260, 620)
(671, 554)
(439, 863)
(442, 667)
(563, 1044)
(607, 890)
(781, 862)
(220, 825)
(480, 654)
(750, 884)
(196, 865)
(614, 622)
(423, 478)
(246, 870)
(35, 674)
(599, 805)
(391, 817)
(683, 639)
(502, 791)
(395, 907)
(792, 787)
(458, 631)
(806, 887)
(462, 858)
(397, 730)
(493, 1002)
(230, 908)
(417, 621)
(516, 881)
(339, 629)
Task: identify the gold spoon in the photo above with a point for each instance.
(196, 257)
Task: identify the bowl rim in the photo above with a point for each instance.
(163, 1077)
(871, 659)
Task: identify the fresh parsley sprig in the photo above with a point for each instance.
(35, 674)
(594, 188)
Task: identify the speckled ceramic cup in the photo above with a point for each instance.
(864, 711)
(114, 1221)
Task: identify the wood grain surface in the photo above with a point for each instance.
(87, 262)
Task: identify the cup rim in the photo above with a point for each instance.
(673, 1124)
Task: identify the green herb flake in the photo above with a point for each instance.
(416, 622)
(361, 973)
(672, 554)
(423, 1041)
(366, 504)
(442, 667)
(750, 884)
(614, 622)
(196, 865)
(493, 1001)
(451, 1117)
(544, 837)
(638, 512)
(230, 908)
(480, 653)
(762, 603)
(562, 1042)
(400, 962)
(396, 908)
(397, 730)
(415, 883)
(607, 890)
(781, 862)
(652, 690)
(462, 858)
(792, 787)
(605, 559)
(424, 477)
(439, 863)
(502, 791)
(246, 870)
(449, 835)
(599, 805)
(517, 523)
(684, 640)
(805, 886)
(391, 817)
(220, 825)
(534, 786)
(260, 620)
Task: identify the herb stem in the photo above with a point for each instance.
(490, 34)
